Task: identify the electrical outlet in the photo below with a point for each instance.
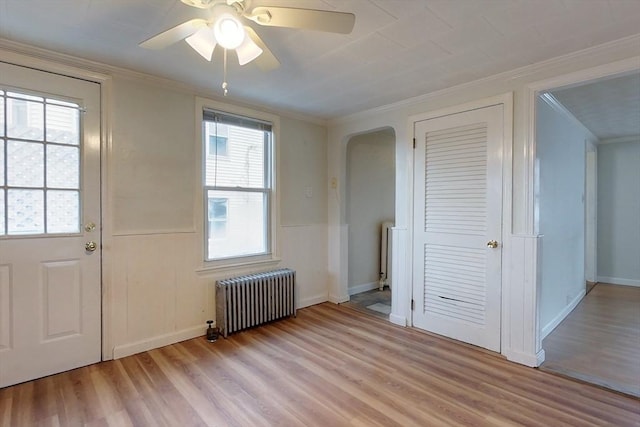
(308, 192)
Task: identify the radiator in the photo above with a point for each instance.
(247, 301)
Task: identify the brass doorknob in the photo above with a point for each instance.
(492, 244)
(90, 246)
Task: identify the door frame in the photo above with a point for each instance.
(506, 100)
(531, 187)
(46, 61)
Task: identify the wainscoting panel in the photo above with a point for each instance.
(157, 296)
(304, 249)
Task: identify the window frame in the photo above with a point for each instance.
(271, 254)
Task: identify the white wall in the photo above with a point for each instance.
(520, 326)
(370, 201)
(303, 206)
(591, 214)
(157, 290)
(561, 148)
(619, 212)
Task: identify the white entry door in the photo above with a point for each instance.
(457, 218)
(50, 299)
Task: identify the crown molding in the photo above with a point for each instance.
(621, 139)
(74, 66)
(626, 43)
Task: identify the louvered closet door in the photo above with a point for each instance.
(458, 206)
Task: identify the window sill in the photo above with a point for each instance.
(239, 267)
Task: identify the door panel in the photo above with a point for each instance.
(50, 294)
(458, 209)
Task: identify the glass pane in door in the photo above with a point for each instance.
(39, 165)
(26, 212)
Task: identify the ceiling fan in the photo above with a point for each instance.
(225, 27)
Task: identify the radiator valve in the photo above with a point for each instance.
(212, 333)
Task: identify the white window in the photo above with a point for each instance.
(237, 186)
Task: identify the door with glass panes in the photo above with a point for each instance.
(50, 299)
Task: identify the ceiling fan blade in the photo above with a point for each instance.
(267, 60)
(248, 49)
(308, 19)
(175, 34)
(203, 41)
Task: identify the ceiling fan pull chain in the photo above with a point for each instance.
(225, 86)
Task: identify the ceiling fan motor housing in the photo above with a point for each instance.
(240, 5)
(201, 4)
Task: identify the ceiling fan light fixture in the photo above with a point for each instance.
(228, 31)
(203, 42)
(248, 50)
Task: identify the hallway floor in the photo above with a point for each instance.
(599, 342)
(374, 302)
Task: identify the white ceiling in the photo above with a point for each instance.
(398, 49)
(609, 108)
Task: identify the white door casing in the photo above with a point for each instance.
(50, 286)
(457, 212)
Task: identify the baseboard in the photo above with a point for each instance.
(546, 330)
(338, 299)
(158, 341)
(618, 281)
(532, 360)
(398, 320)
(363, 288)
(318, 299)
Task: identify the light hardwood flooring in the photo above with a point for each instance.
(599, 341)
(330, 366)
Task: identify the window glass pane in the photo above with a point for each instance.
(245, 162)
(63, 125)
(25, 96)
(246, 226)
(2, 224)
(63, 167)
(60, 102)
(25, 119)
(218, 145)
(63, 212)
(25, 164)
(218, 230)
(25, 211)
(219, 209)
(1, 115)
(2, 164)
(218, 218)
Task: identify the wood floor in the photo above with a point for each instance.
(330, 366)
(599, 341)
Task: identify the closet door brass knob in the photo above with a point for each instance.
(90, 246)
(492, 244)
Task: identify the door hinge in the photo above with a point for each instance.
(414, 143)
(413, 305)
